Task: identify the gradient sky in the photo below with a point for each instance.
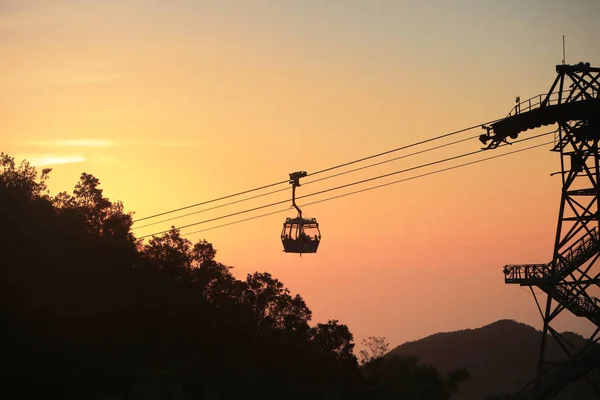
(172, 103)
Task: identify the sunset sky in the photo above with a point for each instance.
(171, 103)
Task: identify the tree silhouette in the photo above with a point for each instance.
(393, 377)
(89, 311)
(374, 347)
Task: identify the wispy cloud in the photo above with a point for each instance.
(69, 143)
(77, 76)
(10, 6)
(41, 160)
(37, 77)
(109, 143)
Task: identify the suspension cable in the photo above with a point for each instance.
(318, 172)
(375, 187)
(309, 182)
(209, 201)
(404, 147)
(343, 186)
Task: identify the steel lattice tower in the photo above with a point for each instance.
(567, 281)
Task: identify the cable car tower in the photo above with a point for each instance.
(573, 274)
(300, 235)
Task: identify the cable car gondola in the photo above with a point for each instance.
(300, 235)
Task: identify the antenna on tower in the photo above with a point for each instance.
(564, 58)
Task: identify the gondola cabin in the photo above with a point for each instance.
(300, 235)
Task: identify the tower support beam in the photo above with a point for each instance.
(571, 277)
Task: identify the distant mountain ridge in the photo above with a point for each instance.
(501, 357)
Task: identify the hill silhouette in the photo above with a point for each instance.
(501, 358)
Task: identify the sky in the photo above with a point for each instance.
(175, 103)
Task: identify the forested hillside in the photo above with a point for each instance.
(89, 312)
(501, 357)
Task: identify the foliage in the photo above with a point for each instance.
(404, 378)
(91, 312)
(22, 179)
(374, 347)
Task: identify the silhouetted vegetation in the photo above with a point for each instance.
(90, 312)
(501, 357)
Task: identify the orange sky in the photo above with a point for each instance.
(173, 103)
